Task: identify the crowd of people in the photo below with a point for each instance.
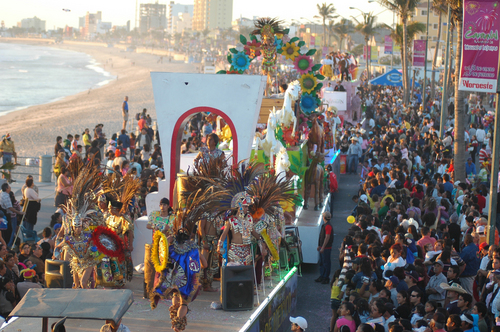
(416, 257)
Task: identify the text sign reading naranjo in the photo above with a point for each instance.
(479, 70)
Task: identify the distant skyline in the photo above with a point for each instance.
(119, 12)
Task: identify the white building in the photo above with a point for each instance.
(183, 21)
(34, 22)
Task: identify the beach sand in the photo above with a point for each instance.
(34, 129)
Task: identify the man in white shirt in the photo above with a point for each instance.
(480, 134)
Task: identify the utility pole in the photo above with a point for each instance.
(426, 45)
(444, 101)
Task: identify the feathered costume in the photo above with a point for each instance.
(179, 279)
(267, 192)
(87, 248)
(240, 222)
(214, 171)
(112, 272)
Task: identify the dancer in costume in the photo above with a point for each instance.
(177, 259)
(208, 172)
(210, 228)
(111, 272)
(83, 224)
(241, 226)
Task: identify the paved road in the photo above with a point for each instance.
(314, 298)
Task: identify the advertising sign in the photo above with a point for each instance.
(479, 69)
(388, 45)
(273, 314)
(369, 53)
(418, 53)
(336, 99)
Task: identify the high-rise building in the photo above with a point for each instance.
(177, 14)
(152, 16)
(34, 22)
(212, 14)
(421, 16)
(93, 25)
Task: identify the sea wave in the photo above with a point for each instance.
(49, 74)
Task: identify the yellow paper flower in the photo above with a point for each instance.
(159, 252)
(290, 51)
(286, 206)
(308, 82)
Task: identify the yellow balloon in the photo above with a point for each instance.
(351, 219)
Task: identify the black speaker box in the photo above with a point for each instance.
(58, 274)
(237, 288)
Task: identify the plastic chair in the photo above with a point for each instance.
(29, 236)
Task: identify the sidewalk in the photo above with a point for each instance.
(46, 191)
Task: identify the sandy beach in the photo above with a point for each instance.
(34, 129)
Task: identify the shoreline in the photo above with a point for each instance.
(34, 129)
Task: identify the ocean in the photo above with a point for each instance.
(34, 75)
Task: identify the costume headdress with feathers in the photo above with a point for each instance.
(267, 192)
(80, 206)
(267, 25)
(214, 171)
(121, 189)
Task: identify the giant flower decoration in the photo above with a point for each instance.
(308, 103)
(278, 42)
(287, 136)
(290, 51)
(307, 83)
(241, 61)
(303, 64)
(252, 48)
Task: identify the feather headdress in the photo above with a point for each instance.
(267, 192)
(81, 205)
(198, 203)
(212, 172)
(121, 189)
(266, 23)
(243, 175)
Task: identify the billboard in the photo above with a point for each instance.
(418, 53)
(479, 68)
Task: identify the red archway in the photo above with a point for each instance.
(175, 152)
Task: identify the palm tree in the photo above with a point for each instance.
(342, 30)
(459, 146)
(325, 13)
(404, 9)
(439, 7)
(205, 33)
(368, 28)
(412, 29)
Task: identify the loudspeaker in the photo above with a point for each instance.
(237, 288)
(58, 274)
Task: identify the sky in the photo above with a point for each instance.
(119, 12)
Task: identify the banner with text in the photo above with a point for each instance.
(336, 99)
(388, 45)
(418, 53)
(274, 312)
(479, 69)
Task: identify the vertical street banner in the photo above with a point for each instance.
(418, 53)
(387, 45)
(369, 56)
(479, 68)
(313, 41)
(374, 54)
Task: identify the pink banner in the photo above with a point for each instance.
(369, 52)
(418, 53)
(388, 45)
(313, 41)
(479, 69)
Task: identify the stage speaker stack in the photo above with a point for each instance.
(237, 288)
(58, 274)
